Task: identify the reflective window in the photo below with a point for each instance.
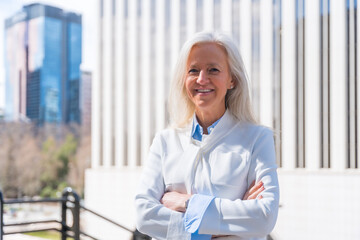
(325, 83)
(300, 83)
(277, 77)
(352, 85)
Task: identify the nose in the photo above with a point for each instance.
(202, 78)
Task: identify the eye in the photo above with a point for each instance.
(214, 70)
(193, 70)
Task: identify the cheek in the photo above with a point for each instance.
(188, 87)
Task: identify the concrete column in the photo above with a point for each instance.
(160, 65)
(96, 98)
(190, 17)
(226, 16)
(312, 84)
(208, 15)
(245, 35)
(132, 81)
(175, 31)
(107, 84)
(266, 64)
(119, 97)
(288, 87)
(145, 79)
(338, 94)
(358, 85)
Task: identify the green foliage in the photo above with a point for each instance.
(56, 161)
(54, 191)
(51, 235)
(42, 160)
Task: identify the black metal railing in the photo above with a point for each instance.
(70, 200)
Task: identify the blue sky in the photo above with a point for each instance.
(88, 9)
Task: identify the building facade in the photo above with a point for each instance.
(42, 65)
(85, 99)
(302, 60)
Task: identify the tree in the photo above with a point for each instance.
(19, 160)
(42, 160)
(55, 163)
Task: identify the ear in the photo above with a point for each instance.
(232, 84)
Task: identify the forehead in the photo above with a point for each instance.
(207, 52)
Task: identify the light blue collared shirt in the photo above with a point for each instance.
(197, 131)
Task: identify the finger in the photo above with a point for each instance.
(164, 197)
(246, 196)
(256, 187)
(252, 184)
(248, 192)
(256, 193)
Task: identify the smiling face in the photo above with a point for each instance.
(208, 78)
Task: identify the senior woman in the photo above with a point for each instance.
(198, 182)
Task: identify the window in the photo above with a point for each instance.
(352, 124)
(325, 83)
(300, 83)
(277, 77)
(255, 64)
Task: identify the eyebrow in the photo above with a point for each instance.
(209, 65)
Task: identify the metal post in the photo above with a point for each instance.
(1, 216)
(140, 236)
(76, 216)
(64, 227)
(75, 210)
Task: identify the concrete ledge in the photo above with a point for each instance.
(21, 237)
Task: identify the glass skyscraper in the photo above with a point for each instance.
(42, 64)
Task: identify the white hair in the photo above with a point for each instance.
(237, 100)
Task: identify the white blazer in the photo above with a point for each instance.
(223, 165)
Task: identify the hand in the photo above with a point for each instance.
(175, 201)
(254, 191)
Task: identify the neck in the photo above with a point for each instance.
(206, 119)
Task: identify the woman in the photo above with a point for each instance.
(194, 185)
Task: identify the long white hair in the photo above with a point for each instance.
(237, 100)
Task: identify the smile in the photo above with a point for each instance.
(204, 90)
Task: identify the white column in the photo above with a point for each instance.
(226, 16)
(175, 31)
(338, 103)
(119, 85)
(288, 85)
(160, 65)
(145, 79)
(245, 35)
(208, 15)
(358, 86)
(107, 84)
(266, 64)
(95, 98)
(132, 99)
(312, 84)
(190, 17)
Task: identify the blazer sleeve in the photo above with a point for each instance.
(249, 218)
(152, 218)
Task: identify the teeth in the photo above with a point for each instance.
(204, 90)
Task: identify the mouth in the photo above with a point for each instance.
(204, 90)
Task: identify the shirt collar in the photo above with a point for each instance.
(197, 131)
